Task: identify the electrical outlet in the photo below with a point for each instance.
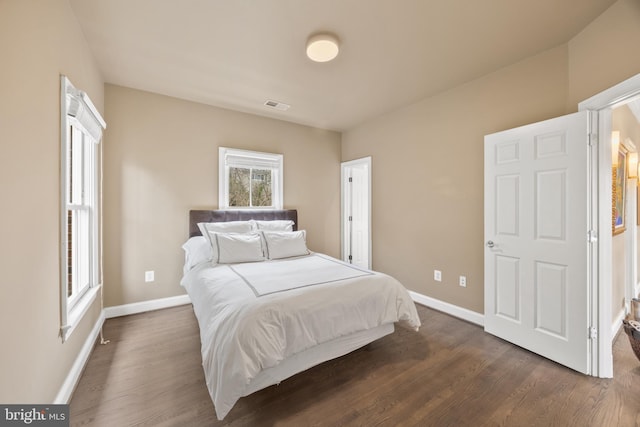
(463, 281)
(149, 276)
(437, 275)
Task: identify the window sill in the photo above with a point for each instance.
(79, 310)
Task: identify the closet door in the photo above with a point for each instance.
(356, 212)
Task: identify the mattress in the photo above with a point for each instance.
(261, 322)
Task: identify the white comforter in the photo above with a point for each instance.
(244, 331)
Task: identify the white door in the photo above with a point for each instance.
(536, 238)
(356, 217)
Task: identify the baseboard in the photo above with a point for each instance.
(445, 307)
(617, 324)
(70, 382)
(141, 307)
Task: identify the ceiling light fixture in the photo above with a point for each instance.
(322, 47)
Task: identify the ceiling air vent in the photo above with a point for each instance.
(277, 105)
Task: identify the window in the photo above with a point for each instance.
(249, 179)
(81, 126)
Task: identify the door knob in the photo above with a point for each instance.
(490, 244)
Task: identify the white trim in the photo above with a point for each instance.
(223, 176)
(64, 310)
(445, 307)
(613, 97)
(77, 108)
(601, 290)
(631, 239)
(602, 354)
(70, 382)
(78, 311)
(617, 323)
(141, 307)
(599, 217)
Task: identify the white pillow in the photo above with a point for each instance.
(196, 250)
(226, 227)
(285, 244)
(233, 248)
(277, 225)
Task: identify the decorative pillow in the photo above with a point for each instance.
(196, 250)
(285, 244)
(277, 225)
(232, 248)
(224, 227)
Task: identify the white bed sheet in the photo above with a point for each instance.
(243, 335)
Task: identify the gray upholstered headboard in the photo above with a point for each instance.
(197, 216)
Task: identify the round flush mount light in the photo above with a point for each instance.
(322, 47)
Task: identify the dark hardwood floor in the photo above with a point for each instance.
(450, 373)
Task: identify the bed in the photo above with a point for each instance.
(265, 318)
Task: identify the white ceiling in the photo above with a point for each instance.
(239, 53)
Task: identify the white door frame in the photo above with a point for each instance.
(601, 261)
(631, 245)
(343, 191)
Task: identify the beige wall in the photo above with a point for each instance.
(605, 52)
(427, 158)
(428, 173)
(161, 159)
(39, 40)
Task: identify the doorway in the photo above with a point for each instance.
(356, 212)
(602, 259)
(597, 329)
(625, 123)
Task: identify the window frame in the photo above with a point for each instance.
(257, 160)
(82, 204)
(79, 119)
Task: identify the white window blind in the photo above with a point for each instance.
(248, 161)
